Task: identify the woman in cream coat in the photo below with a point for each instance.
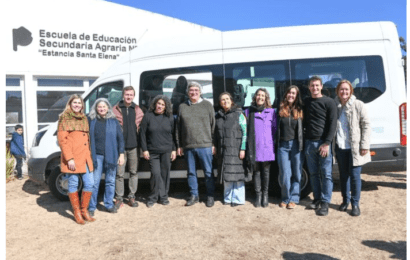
(352, 144)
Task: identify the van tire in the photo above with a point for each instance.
(58, 184)
(304, 183)
(306, 188)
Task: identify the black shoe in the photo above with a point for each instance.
(235, 204)
(192, 200)
(91, 213)
(315, 204)
(344, 206)
(324, 209)
(150, 204)
(258, 200)
(111, 210)
(164, 202)
(227, 203)
(355, 211)
(118, 204)
(265, 199)
(132, 202)
(210, 202)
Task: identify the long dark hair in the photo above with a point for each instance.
(168, 106)
(296, 108)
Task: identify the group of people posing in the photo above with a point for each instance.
(244, 144)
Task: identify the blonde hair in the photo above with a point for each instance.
(70, 100)
(340, 84)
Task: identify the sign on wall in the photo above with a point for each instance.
(73, 44)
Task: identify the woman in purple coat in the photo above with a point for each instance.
(260, 144)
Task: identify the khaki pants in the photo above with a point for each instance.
(131, 158)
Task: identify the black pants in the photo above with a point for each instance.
(160, 165)
(261, 168)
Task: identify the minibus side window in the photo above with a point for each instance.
(51, 104)
(365, 73)
(243, 79)
(111, 91)
(173, 83)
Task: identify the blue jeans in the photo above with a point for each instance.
(234, 192)
(109, 185)
(19, 164)
(290, 170)
(205, 158)
(349, 176)
(320, 170)
(87, 181)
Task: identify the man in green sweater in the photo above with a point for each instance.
(194, 139)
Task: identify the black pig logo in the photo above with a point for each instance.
(22, 37)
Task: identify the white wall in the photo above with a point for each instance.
(41, 26)
(79, 19)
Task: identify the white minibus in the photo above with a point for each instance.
(366, 54)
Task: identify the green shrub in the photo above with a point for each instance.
(9, 164)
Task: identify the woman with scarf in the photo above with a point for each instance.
(107, 149)
(261, 146)
(76, 162)
(290, 140)
(230, 144)
(352, 144)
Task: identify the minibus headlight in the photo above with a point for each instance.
(38, 137)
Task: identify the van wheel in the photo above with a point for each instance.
(58, 184)
(305, 187)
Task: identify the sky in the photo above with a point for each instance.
(227, 15)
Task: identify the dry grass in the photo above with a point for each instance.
(39, 226)
(10, 164)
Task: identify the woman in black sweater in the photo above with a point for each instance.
(290, 138)
(158, 145)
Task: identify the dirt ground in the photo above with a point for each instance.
(39, 226)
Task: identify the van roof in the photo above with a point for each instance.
(308, 34)
(211, 41)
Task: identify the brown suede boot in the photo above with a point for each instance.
(85, 201)
(75, 203)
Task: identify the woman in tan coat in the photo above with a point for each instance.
(76, 159)
(352, 144)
